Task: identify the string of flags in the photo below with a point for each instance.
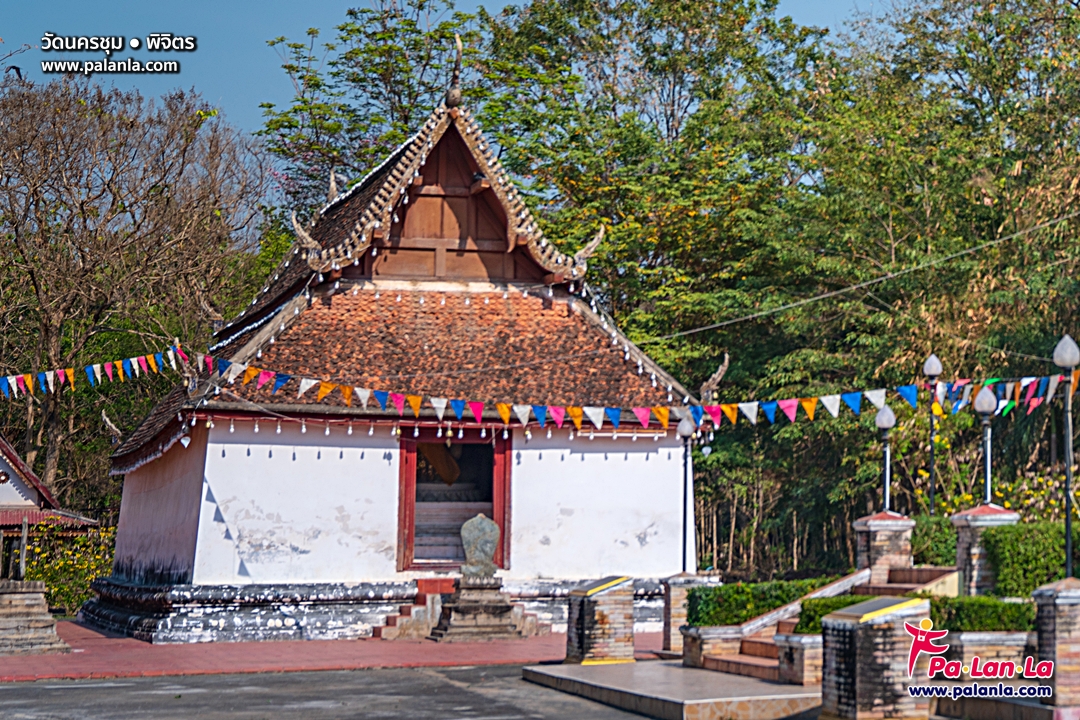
(1029, 392)
(54, 381)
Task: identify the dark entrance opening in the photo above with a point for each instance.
(453, 484)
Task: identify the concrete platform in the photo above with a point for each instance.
(667, 690)
(1001, 709)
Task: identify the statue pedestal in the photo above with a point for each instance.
(479, 610)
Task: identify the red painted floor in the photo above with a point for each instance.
(95, 655)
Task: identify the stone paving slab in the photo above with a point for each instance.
(98, 655)
(667, 690)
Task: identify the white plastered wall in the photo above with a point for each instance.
(15, 492)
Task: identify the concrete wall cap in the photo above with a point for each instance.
(985, 516)
(712, 632)
(797, 640)
(688, 580)
(884, 521)
(877, 610)
(1064, 592)
(1019, 639)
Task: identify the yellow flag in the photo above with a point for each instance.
(29, 380)
(731, 411)
(504, 412)
(809, 405)
(70, 372)
(662, 414)
(414, 402)
(325, 389)
(576, 414)
(152, 362)
(346, 392)
(253, 372)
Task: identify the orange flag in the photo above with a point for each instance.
(809, 405)
(253, 372)
(732, 412)
(576, 414)
(70, 372)
(29, 379)
(661, 414)
(325, 389)
(1075, 377)
(153, 363)
(119, 366)
(414, 403)
(346, 392)
(504, 412)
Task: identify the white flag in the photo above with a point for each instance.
(236, 369)
(749, 409)
(595, 415)
(438, 403)
(97, 373)
(172, 358)
(305, 384)
(940, 391)
(1052, 387)
(876, 397)
(14, 384)
(364, 395)
(134, 362)
(831, 403)
(522, 412)
(49, 377)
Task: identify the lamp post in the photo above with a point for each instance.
(985, 404)
(932, 370)
(886, 421)
(686, 431)
(1067, 357)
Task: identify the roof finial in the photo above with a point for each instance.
(331, 195)
(453, 95)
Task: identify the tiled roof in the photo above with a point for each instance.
(11, 518)
(502, 346)
(152, 436)
(342, 229)
(26, 473)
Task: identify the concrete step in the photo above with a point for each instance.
(892, 589)
(786, 626)
(746, 665)
(759, 647)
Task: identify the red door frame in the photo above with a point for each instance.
(500, 501)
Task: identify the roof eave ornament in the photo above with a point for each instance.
(302, 236)
(582, 255)
(453, 94)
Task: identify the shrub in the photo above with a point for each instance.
(1026, 556)
(813, 609)
(68, 562)
(981, 614)
(739, 602)
(933, 542)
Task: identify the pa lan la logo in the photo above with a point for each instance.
(923, 636)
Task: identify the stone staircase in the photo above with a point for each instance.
(416, 620)
(757, 657)
(26, 626)
(908, 580)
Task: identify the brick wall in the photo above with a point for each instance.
(600, 625)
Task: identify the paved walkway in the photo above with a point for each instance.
(96, 655)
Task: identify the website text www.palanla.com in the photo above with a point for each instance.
(108, 44)
(989, 690)
(127, 65)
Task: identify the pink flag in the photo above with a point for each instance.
(790, 407)
(477, 409)
(142, 363)
(715, 413)
(558, 414)
(642, 414)
(210, 364)
(399, 402)
(21, 383)
(60, 377)
(264, 377)
(181, 354)
(1034, 403)
(1032, 387)
(108, 370)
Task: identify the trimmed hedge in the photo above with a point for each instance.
(933, 541)
(813, 609)
(981, 614)
(1026, 555)
(736, 603)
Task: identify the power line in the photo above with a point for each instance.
(866, 284)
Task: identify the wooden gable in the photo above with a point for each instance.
(453, 227)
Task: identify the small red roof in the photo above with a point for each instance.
(26, 474)
(12, 518)
(989, 509)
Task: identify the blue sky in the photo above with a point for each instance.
(232, 67)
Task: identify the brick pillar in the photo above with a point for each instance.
(676, 588)
(600, 626)
(883, 542)
(976, 572)
(1058, 627)
(865, 654)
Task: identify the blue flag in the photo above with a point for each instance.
(853, 400)
(458, 406)
(160, 358)
(909, 393)
(4, 385)
(1042, 387)
(41, 379)
(697, 412)
(541, 414)
(769, 408)
(381, 396)
(89, 374)
(615, 414)
(222, 366)
(279, 382)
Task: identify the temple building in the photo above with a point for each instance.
(422, 355)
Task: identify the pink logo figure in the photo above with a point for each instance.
(923, 638)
